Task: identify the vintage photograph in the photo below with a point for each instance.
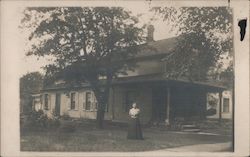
(127, 79)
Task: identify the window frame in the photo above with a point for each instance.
(88, 102)
(71, 100)
(228, 105)
(46, 101)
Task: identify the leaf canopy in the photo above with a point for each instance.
(84, 42)
(206, 34)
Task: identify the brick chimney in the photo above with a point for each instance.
(151, 30)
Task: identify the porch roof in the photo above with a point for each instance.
(212, 86)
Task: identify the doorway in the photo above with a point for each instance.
(159, 105)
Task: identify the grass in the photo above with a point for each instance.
(88, 138)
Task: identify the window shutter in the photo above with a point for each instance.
(92, 99)
(84, 100)
(76, 100)
(69, 101)
(49, 101)
(42, 104)
(96, 103)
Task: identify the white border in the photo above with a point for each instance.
(10, 135)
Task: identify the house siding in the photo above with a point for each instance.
(79, 111)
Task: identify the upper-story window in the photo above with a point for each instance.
(46, 101)
(72, 101)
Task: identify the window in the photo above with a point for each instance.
(130, 97)
(226, 105)
(46, 101)
(88, 100)
(72, 101)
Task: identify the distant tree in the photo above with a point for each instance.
(87, 44)
(227, 76)
(205, 34)
(30, 83)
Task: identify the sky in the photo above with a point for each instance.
(32, 63)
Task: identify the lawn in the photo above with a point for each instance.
(111, 138)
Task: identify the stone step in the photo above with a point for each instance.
(191, 130)
(188, 125)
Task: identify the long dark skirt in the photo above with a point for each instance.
(134, 129)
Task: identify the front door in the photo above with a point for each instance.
(159, 105)
(58, 103)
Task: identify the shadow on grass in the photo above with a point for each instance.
(89, 139)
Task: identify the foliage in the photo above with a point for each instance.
(65, 116)
(228, 76)
(86, 44)
(205, 34)
(29, 84)
(35, 119)
(39, 120)
(211, 112)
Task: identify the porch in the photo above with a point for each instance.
(161, 100)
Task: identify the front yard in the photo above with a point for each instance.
(112, 138)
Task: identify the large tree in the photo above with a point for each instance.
(205, 35)
(89, 44)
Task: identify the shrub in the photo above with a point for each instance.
(65, 116)
(39, 120)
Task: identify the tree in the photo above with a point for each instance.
(89, 44)
(205, 34)
(30, 83)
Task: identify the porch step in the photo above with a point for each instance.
(190, 128)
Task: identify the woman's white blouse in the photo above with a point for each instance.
(133, 112)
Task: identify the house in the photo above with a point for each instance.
(226, 107)
(160, 99)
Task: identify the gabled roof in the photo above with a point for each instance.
(159, 47)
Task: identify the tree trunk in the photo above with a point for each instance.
(100, 116)
(102, 96)
(102, 99)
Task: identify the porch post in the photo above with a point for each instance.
(220, 106)
(113, 102)
(168, 106)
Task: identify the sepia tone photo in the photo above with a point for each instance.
(123, 79)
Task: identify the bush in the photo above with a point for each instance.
(65, 117)
(39, 120)
(35, 119)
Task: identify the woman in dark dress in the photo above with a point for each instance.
(134, 128)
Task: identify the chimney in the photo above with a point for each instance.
(150, 36)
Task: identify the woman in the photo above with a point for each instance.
(134, 128)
